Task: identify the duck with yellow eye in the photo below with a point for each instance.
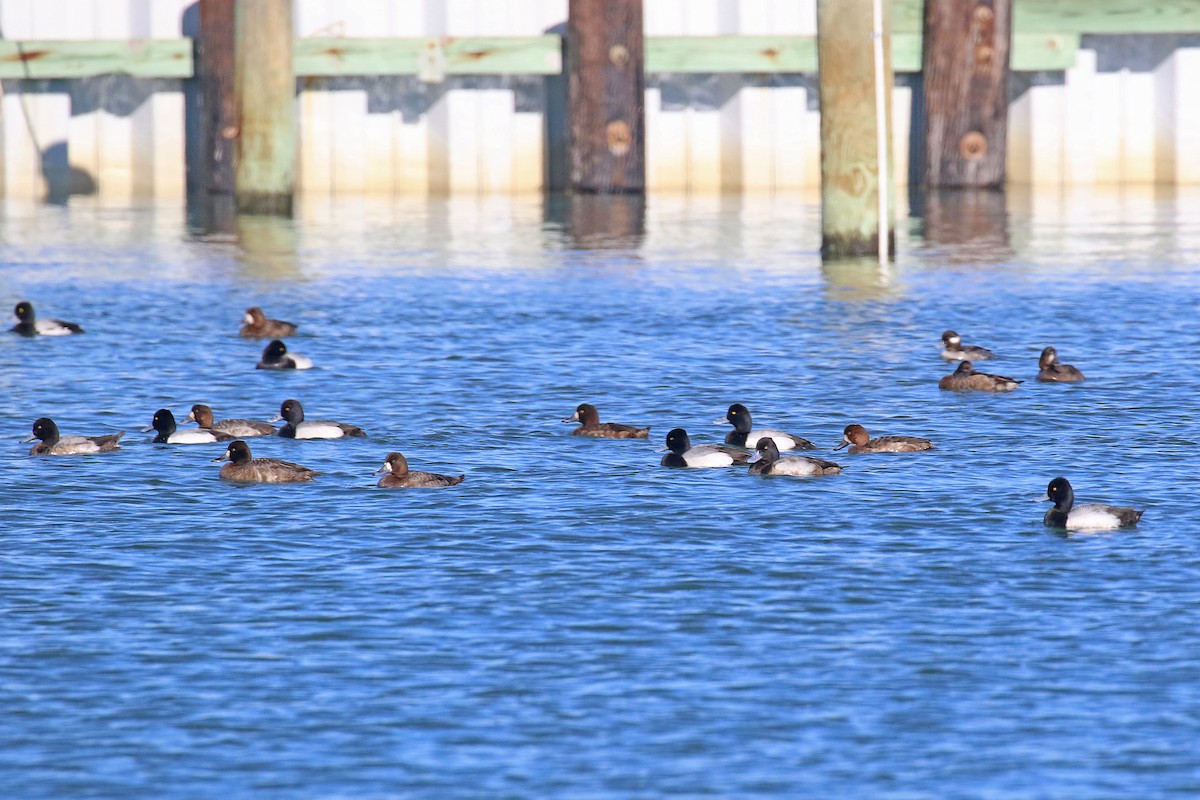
(29, 325)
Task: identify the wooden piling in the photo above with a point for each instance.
(264, 99)
(606, 94)
(966, 64)
(850, 178)
(215, 71)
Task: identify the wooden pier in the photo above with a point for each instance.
(120, 102)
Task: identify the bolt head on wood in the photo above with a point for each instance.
(973, 146)
(984, 15)
(620, 137)
(618, 55)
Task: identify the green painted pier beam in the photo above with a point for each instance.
(264, 99)
(850, 164)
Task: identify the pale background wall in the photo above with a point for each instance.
(123, 138)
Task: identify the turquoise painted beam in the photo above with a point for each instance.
(87, 58)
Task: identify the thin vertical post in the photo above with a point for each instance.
(264, 91)
(881, 130)
(218, 123)
(606, 96)
(965, 72)
(852, 175)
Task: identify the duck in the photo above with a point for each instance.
(399, 476)
(1053, 370)
(705, 455)
(202, 415)
(243, 467)
(1090, 516)
(291, 412)
(745, 435)
(255, 325)
(276, 356)
(861, 442)
(955, 350)
(591, 425)
(29, 325)
(965, 378)
(771, 463)
(164, 423)
(54, 444)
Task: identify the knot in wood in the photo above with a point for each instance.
(973, 146)
(983, 55)
(983, 14)
(618, 55)
(619, 136)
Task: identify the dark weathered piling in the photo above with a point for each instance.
(606, 90)
(965, 63)
(850, 164)
(264, 91)
(218, 119)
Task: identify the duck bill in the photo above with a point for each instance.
(385, 468)
(721, 421)
(1043, 499)
(276, 418)
(28, 440)
(573, 418)
(844, 442)
(224, 457)
(148, 429)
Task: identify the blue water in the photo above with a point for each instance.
(575, 621)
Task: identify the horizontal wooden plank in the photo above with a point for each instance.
(1078, 16)
(468, 55)
(1031, 52)
(1037, 52)
(542, 55)
(731, 54)
(86, 58)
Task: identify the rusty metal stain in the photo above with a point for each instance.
(27, 55)
(771, 53)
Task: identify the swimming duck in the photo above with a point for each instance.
(965, 378)
(1053, 370)
(770, 463)
(260, 470)
(861, 442)
(705, 455)
(202, 415)
(276, 356)
(744, 435)
(54, 444)
(297, 428)
(164, 423)
(955, 350)
(29, 325)
(255, 325)
(591, 425)
(1090, 516)
(399, 476)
